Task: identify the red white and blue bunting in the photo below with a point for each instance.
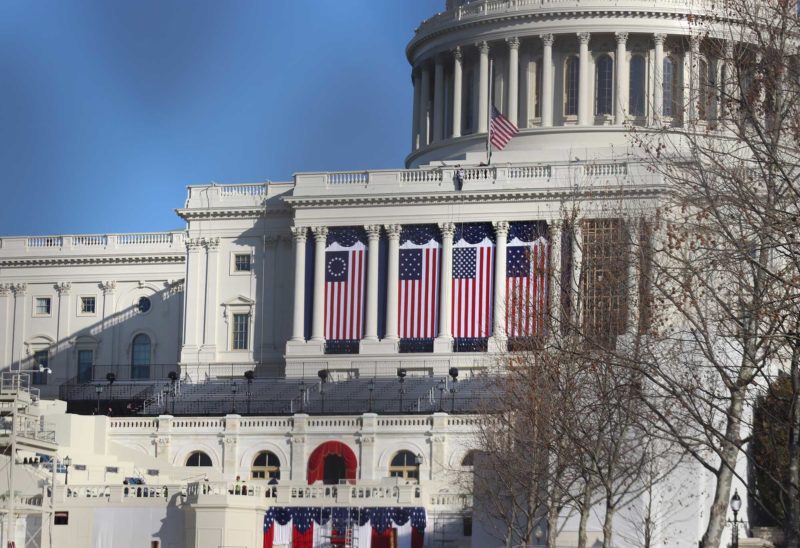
(310, 527)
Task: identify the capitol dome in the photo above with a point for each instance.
(573, 75)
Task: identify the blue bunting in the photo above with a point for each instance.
(420, 234)
(381, 518)
(474, 233)
(346, 236)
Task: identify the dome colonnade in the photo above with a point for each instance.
(569, 69)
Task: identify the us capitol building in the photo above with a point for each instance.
(318, 347)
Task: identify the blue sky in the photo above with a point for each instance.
(108, 109)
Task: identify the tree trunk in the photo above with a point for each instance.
(586, 506)
(728, 453)
(608, 524)
(792, 521)
(552, 525)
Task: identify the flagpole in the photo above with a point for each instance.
(489, 115)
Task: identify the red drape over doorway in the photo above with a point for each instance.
(316, 462)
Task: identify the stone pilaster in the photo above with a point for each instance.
(20, 323)
(194, 299)
(444, 342)
(621, 79)
(366, 439)
(211, 309)
(546, 100)
(60, 363)
(584, 85)
(393, 276)
(6, 296)
(499, 338)
(318, 317)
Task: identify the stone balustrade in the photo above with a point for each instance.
(156, 495)
(81, 244)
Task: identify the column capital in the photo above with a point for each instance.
(20, 289)
(320, 233)
(483, 47)
(513, 42)
(501, 228)
(211, 244)
(694, 43)
(458, 55)
(393, 231)
(447, 229)
(108, 287)
(555, 224)
(659, 38)
(194, 244)
(373, 231)
(63, 288)
(5, 289)
(583, 37)
(622, 37)
(299, 233)
(547, 39)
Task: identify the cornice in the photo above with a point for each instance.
(487, 196)
(91, 261)
(190, 214)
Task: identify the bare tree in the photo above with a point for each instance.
(725, 266)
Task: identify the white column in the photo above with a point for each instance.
(620, 81)
(546, 100)
(299, 234)
(318, 315)
(212, 302)
(584, 85)
(556, 290)
(483, 88)
(444, 342)
(5, 325)
(658, 85)
(424, 107)
(61, 361)
(20, 321)
(694, 77)
(458, 60)
(105, 352)
(577, 268)
(193, 302)
(392, 282)
(499, 312)
(415, 119)
(371, 325)
(513, 80)
(438, 100)
(634, 232)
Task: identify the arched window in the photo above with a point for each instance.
(404, 465)
(469, 459)
(636, 103)
(604, 85)
(669, 85)
(266, 465)
(571, 81)
(140, 357)
(198, 458)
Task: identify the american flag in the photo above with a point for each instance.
(344, 289)
(473, 274)
(527, 265)
(419, 283)
(501, 129)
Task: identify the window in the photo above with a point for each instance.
(467, 526)
(241, 331)
(266, 466)
(42, 307)
(404, 465)
(85, 365)
(40, 367)
(636, 103)
(670, 88)
(242, 262)
(61, 518)
(198, 458)
(605, 279)
(604, 85)
(571, 79)
(88, 305)
(140, 357)
(143, 305)
(469, 459)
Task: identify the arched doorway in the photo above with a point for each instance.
(331, 462)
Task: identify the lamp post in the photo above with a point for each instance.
(67, 464)
(418, 462)
(442, 388)
(302, 396)
(401, 376)
(173, 378)
(323, 376)
(110, 377)
(249, 375)
(234, 389)
(736, 505)
(98, 390)
(370, 387)
(454, 374)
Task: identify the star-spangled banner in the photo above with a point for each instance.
(418, 289)
(527, 268)
(472, 283)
